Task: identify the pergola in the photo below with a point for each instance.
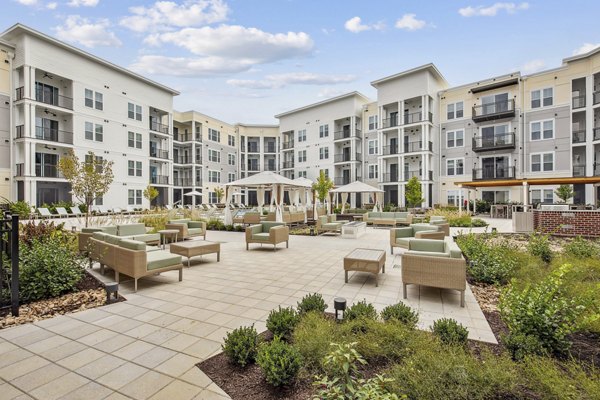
(261, 181)
(358, 187)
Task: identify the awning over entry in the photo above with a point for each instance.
(574, 180)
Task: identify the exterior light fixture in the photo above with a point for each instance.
(339, 304)
(112, 290)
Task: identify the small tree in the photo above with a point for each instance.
(322, 186)
(219, 192)
(414, 194)
(150, 193)
(89, 180)
(564, 192)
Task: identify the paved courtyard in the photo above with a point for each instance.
(147, 347)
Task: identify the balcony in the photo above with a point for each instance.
(596, 169)
(578, 101)
(408, 175)
(198, 158)
(415, 146)
(578, 169)
(47, 171)
(159, 180)
(492, 111)
(496, 142)
(182, 137)
(288, 164)
(183, 160)
(53, 135)
(253, 167)
(20, 170)
(287, 145)
(339, 158)
(390, 177)
(389, 122)
(579, 136)
(341, 180)
(414, 118)
(183, 182)
(346, 134)
(47, 98)
(253, 148)
(391, 150)
(492, 173)
(597, 133)
(157, 153)
(596, 97)
(270, 148)
(158, 127)
(270, 167)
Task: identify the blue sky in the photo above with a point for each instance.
(247, 60)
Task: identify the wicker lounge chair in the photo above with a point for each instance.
(187, 228)
(268, 233)
(400, 237)
(328, 223)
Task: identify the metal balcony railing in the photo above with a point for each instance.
(415, 146)
(20, 131)
(596, 169)
(287, 145)
(198, 158)
(158, 127)
(53, 99)
(270, 167)
(288, 164)
(490, 173)
(270, 148)
(19, 93)
(159, 180)
(496, 110)
(579, 101)
(408, 175)
(390, 177)
(156, 153)
(253, 148)
(182, 137)
(341, 180)
(20, 170)
(252, 167)
(183, 182)
(579, 136)
(47, 171)
(578, 169)
(413, 118)
(496, 142)
(597, 133)
(346, 134)
(596, 97)
(183, 159)
(391, 150)
(53, 135)
(389, 122)
(347, 157)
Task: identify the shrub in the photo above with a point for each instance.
(402, 313)
(450, 332)
(282, 322)
(478, 223)
(279, 361)
(582, 248)
(377, 340)
(539, 246)
(312, 337)
(241, 345)
(215, 225)
(520, 345)
(49, 268)
(20, 208)
(312, 302)
(361, 310)
(543, 310)
(155, 221)
(41, 231)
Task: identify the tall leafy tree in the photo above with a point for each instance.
(564, 192)
(414, 193)
(150, 193)
(322, 186)
(219, 192)
(89, 179)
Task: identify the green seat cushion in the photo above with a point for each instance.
(152, 248)
(266, 226)
(112, 239)
(161, 259)
(261, 236)
(91, 230)
(403, 232)
(428, 253)
(132, 244)
(429, 245)
(332, 225)
(401, 215)
(424, 228)
(195, 224)
(99, 236)
(374, 214)
(131, 229)
(111, 230)
(332, 218)
(179, 221)
(195, 231)
(403, 241)
(147, 237)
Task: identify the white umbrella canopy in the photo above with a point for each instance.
(265, 179)
(357, 187)
(304, 182)
(193, 193)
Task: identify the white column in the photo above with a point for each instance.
(525, 193)
(460, 205)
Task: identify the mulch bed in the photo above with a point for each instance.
(90, 294)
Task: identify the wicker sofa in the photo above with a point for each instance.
(328, 223)
(441, 222)
(400, 237)
(436, 263)
(388, 218)
(289, 217)
(268, 233)
(187, 228)
(124, 231)
(131, 257)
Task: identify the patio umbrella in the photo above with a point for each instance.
(357, 187)
(193, 193)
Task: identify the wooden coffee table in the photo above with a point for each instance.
(195, 248)
(365, 260)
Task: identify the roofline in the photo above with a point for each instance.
(194, 112)
(56, 42)
(581, 56)
(6, 44)
(320, 103)
(516, 74)
(256, 125)
(425, 67)
(546, 71)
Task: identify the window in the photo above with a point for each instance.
(455, 110)
(231, 141)
(302, 156)
(373, 171)
(452, 197)
(214, 135)
(302, 135)
(231, 159)
(134, 197)
(134, 140)
(542, 130)
(372, 122)
(325, 171)
(542, 162)
(212, 198)
(99, 133)
(301, 174)
(230, 176)
(134, 168)
(455, 139)
(89, 98)
(94, 132)
(214, 176)
(323, 131)
(99, 160)
(373, 145)
(323, 153)
(455, 166)
(89, 131)
(542, 98)
(99, 101)
(134, 111)
(214, 155)
(542, 196)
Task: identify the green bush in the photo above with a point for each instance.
(402, 313)
(450, 332)
(215, 225)
(312, 337)
(281, 322)
(49, 268)
(377, 340)
(156, 221)
(520, 345)
(279, 361)
(20, 208)
(539, 246)
(312, 302)
(478, 223)
(241, 345)
(582, 248)
(361, 310)
(543, 310)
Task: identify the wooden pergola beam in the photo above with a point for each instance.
(574, 180)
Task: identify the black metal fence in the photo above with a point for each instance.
(9, 263)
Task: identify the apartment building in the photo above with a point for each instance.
(7, 51)
(66, 99)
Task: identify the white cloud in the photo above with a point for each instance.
(410, 22)
(238, 43)
(82, 30)
(83, 3)
(585, 48)
(28, 2)
(189, 67)
(163, 15)
(355, 25)
(52, 6)
(491, 11)
(277, 81)
(533, 66)
(38, 4)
